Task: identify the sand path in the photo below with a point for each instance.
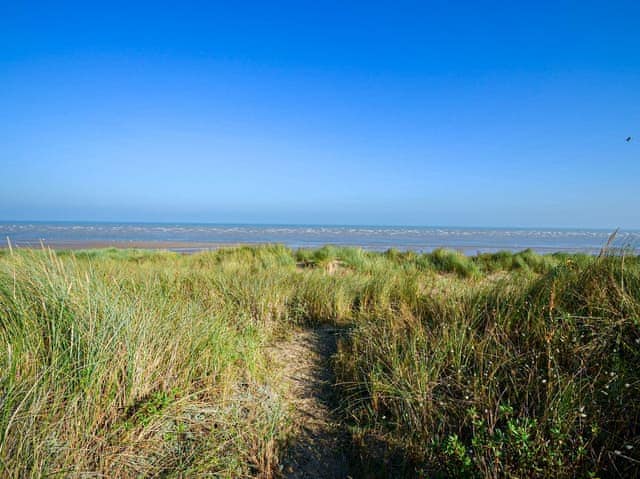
(318, 449)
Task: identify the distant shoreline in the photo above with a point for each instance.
(188, 247)
(152, 245)
(194, 238)
(208, 224)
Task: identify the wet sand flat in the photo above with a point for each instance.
(178, 246)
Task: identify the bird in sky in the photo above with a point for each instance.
(628, 139)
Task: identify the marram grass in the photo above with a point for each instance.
(145, 364)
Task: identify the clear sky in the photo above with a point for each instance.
(421, 113)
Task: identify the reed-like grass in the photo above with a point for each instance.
(129, 366)
(530, 376)
(141, 364)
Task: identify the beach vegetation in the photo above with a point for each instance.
(133, 363)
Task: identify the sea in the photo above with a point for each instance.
(189, 237)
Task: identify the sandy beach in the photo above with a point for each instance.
(178, 246)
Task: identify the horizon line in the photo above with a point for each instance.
(333, 225)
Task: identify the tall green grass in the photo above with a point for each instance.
(142, 364)
(128, 366)
(532, 376)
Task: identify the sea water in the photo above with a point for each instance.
(378, 238)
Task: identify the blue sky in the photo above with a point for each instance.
(422, 113)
